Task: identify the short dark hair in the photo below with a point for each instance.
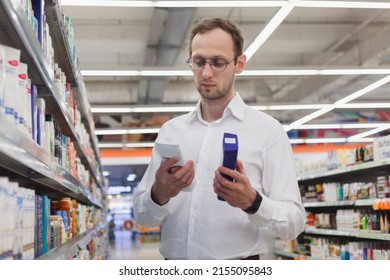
(225, 24)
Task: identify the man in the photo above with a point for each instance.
(262, 201)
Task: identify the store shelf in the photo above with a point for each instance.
(22, 159)
(328, 204)
(360, 202)
(69, 249)
(21, 155)
(367, 202)
(64, 59)
(16, 31)
(299, 256)
(102, 250)
(287, 254)
(363, 171)
(366, 167)
(359, 234)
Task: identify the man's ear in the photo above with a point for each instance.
(241, 62)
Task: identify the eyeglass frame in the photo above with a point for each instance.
(188, 61)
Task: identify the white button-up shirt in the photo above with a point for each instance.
(196, 225)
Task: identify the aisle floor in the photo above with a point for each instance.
(124, 247)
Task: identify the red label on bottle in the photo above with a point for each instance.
(13, 62)
(22, 76)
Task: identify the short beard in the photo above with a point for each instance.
(219, 94)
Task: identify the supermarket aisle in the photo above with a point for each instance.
(125, 248)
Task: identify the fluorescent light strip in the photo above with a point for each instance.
(108, 3)
(311, 117)
(341, 126)
(145, 130)
(343, 4)
(188, 108)
(301, 127)
(295, 107)
(325, 140)
(361, 140)
(136, 73)
(112, 145)
(126, 145)
(230, 4)
(172, 4)
(329, 140)
(370, 132)
(363, 106)
(246, 73)
(268, 29)
(358, 71)
(159, 109)
(178, 4)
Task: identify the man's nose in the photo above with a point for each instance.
(207, 70)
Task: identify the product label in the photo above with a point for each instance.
(13, 63)
(9, 111)
(22, 76)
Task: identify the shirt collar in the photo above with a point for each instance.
(236, 107)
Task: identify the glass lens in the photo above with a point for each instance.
(218, 64)
(198, 63)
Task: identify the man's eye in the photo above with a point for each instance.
(199, 61)
(219, 62)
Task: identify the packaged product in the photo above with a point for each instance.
(12, 58)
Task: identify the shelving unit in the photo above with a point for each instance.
(359, 234)
(362, 171)
(23, 160)
(299, 256)
(348, 172)
(71, 248)
(64, 59)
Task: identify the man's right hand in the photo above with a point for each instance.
(168, 184)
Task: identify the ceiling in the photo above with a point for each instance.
(123, 178)
(147, 38)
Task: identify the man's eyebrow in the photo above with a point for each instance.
(213, 57)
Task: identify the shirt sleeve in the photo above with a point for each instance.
(281, 210)
(146, 211)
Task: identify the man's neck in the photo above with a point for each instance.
(212, 110)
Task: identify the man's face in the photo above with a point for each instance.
(212, 45)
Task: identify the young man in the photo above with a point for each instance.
(262, 201)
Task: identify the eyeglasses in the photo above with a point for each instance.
(217, 64)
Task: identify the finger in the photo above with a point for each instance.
(187, 177)
(216, 181)
(174, 169)
(189, 180)
(228, 172)
(167, 164)
(240, 167)
(188, 166)
(222, 186)
(220, 190)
